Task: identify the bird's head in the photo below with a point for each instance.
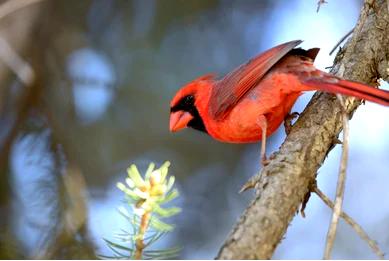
(184, 107)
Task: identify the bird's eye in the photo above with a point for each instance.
(189, 100)
(186, 104)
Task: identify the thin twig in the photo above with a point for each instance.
(341, 184)
(12, 60)
(12, 6)
(349, 220)
(341, 41)
(139, 242)
(8, 56)
(319, 4)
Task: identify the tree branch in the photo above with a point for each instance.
(283, 184)
(340, 186)
(357, 228)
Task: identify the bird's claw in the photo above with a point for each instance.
(265, 161)
(288, 121)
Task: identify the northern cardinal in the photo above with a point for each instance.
(251, 102)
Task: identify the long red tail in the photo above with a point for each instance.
(350, 88)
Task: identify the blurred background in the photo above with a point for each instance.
(105, 72)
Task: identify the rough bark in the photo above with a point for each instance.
(283, 184)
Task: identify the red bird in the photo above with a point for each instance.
(251, 102)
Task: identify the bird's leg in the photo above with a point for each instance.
(288, 121)
(262, 121)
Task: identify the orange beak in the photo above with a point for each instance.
(179, 120)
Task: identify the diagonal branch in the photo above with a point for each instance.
(340, 186)
(357, 228)
(10, 7)
(283, 184)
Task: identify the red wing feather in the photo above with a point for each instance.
(233, 87)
